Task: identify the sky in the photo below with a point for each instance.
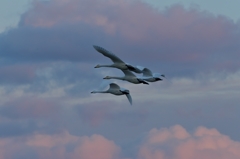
(47, 73)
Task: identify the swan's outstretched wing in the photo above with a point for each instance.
(147, 72)
(136, 69)
(158, 75)
(124, 91)
(129, 98)
(114, 86)
(128, 73)
(108, 54)
(140, 68)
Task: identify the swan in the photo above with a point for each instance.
(117, 62)
(129, 76)
(151, 77)
(116, 90)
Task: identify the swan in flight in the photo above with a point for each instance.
(117, 62)
(151, 77)
(129, 76)
(116, 90)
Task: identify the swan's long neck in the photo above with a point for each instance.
(99, 92)
(119, 78)
(105, 66)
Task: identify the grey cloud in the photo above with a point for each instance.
(200, 42)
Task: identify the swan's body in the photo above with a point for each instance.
(117, 62)
(151, 77)
(129, 76)
(116, 90)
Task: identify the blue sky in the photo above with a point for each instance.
(47, 73)
(11, 11)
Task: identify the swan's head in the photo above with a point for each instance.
(97, 66)
(107, 77)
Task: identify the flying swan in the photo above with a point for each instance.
(151, 77)
(117, 62)
(116, 90)
(129, 76)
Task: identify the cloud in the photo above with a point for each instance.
(62, 146)
(165, 143)
(183, 41)
(24, 107)
(177, 143)
(17, 73)
(99, 112)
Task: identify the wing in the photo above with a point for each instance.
(108, 54)
(129, 98)
(124, 91)
(140, 68)
(128, 73)
(136, 69)
(114, 86)
(158, 75)
(147, 72)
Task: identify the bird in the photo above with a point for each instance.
(117, 62)
(116, 90)
(129, 76)
(151, 77)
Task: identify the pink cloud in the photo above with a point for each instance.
(56, 146)
(177, 143)
(97, 147)
(166, 143)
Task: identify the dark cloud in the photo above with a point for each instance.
(178, 41)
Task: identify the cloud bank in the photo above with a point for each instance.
(190, 40)
(177, 143)
(165, 143)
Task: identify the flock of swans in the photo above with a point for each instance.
(127, 69)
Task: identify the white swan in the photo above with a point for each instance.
(151, 77)
(129, 76)
(116, 90)
(117, 62)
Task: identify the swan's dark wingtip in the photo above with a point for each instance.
(145, 83)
